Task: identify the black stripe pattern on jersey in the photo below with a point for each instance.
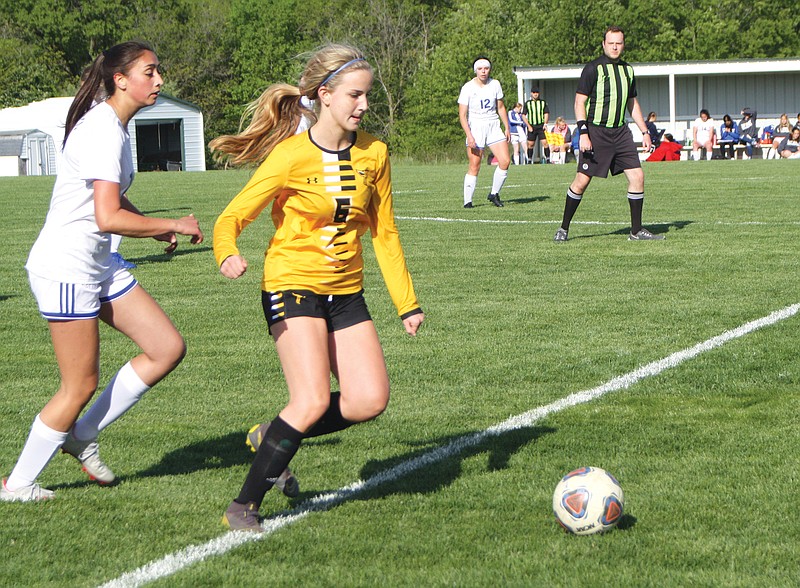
(612, 91)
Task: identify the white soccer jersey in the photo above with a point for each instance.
(481, 101)
(70, 247)
(704, 129)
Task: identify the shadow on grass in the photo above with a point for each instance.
(515, 201)
(626, 522)
(183, 249)
(422, 472)
(655, 228)
(436, 464)
(216, 453)
(166, 210)
(527, 200)
(210, 454)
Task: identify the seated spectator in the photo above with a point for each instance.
(655, 134)
(790, 146)
(668, 150)
(748, 132)
(575, 145)
(703, 135)
(518, 128)
(560, 140)
(779, 132)
(728, 137)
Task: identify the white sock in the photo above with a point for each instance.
(41, 446)
(123, 391)
(469, 187)
(498, 180)
(708, 154)
(516, 159)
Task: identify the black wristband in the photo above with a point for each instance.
(404, 316)
(583, 128)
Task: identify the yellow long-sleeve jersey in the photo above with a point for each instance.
(322, 203)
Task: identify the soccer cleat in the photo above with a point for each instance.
(32, 493)
(88, 453)
(286, 482)
(242, 517)
(468, 205)
(645, 235)
(495, 199)
(561, 236)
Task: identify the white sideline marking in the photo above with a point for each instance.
(175, 562)
(443, 219)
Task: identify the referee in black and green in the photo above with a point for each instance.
(537, 114)
(606, 90)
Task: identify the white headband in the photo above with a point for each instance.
(481, 63)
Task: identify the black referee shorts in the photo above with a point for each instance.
(612, 150)
(339, 311)
(537, 133)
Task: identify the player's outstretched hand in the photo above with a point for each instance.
(413, 322)
(233, 267)
(187, 225)
(170, 238)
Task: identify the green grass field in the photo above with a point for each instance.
(705, 449)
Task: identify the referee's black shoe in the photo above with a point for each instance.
(495, 199)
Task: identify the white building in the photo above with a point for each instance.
(677, 91)
(167, 136)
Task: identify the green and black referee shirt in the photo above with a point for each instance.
(535, 111)
(609, 86)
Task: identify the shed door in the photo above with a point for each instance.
(37, 152)
(159, 145)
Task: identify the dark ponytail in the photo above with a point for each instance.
(98, 79)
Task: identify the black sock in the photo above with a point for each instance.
(331, 421)
(636, 202)
(277, 449)
(530, 154)
(547, 153)
(571, 205)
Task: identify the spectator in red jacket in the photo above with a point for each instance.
(667, 150)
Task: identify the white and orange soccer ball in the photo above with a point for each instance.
(588, 500)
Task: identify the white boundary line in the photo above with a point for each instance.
(179, 560)
(442, 219)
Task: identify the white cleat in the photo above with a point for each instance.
(88, 453)
(32, 493)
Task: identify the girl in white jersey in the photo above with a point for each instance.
(480, 110)
(76, 281)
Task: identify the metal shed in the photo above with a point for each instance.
(167, 136)
(28, 152)
(678, 91)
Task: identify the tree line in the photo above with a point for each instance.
(221, 54)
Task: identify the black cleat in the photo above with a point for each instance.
(495, 199)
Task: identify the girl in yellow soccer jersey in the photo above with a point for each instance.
(327, 186)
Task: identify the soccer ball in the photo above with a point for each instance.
(588, 500)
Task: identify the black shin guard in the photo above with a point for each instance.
(331, 421)
(277, 449)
